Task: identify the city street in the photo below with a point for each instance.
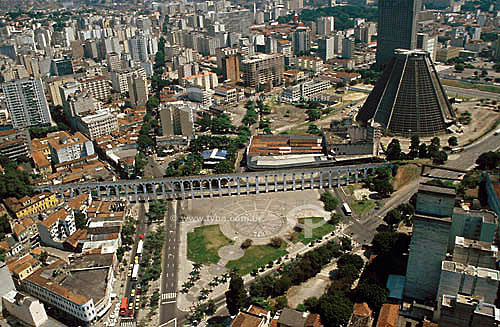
(168, 295)
(472, 93)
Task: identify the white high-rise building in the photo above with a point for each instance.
(26, 103)
(138, 47)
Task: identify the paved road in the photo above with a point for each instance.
(453, 91)
(168, 294)
(141, 229)
(364, 228)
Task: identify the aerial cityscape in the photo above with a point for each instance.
(266, 163)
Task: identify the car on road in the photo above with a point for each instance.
(137, 306)
(136, 259)
(141, 236)
(131, 306)
(132, 293)
(129, 273)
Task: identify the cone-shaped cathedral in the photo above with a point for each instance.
(409, 99)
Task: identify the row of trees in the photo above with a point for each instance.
(381, 181)
(329, 201)
(419, 150)
(14, 182)
(293, 273)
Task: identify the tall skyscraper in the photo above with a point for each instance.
(325, 25)
(301, 39)
(26, 103)
(326, 47)
(138, 91)
(177, 119)
(397, 25)
(347, 47)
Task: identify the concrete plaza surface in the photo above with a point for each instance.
(259, 217)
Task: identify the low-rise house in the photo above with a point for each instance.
(361, 316)
(253, 317)
(388, 316)
(27, 309)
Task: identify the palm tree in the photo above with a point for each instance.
(197, 266)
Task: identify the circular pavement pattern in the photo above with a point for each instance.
(231, 252)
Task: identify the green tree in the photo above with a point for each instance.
(80, 220)
(313, 129)
(351, 259)
(440, 158)
(335, 310)
(383, 187)
(393, 218)
(205, 123)
(459, 67)
(372, 294)
(222, 124)
(414, 146)
(236, 296)
(488, 160)
(312, 304)
(422, 151)
(453, 141)
(393, 150)
(386, 243)
(224, 167)
(313, 114)
(329, 201)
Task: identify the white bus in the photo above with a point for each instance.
(140, 245)
(346, 208)
(135, 272)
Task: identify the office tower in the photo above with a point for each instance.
(271, 45)
(325, 25)
(337, 43)
(138, 47)
(397, 24)
(466, 311)
(295, 4)
(98, 87)
(409, 99)
(301, 39)
(177, 119)
(61, 67)
(429, 244)
(26, 103)
(347, 47)
(326, 48)
(77, 49)
(427, 43)
(114, 61)
(231, 68)
(90, 49)
(138, 91)
(263, 69)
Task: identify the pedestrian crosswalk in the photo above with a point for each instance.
(168, 296)
(128, 323)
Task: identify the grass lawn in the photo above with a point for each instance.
(257, 256)
(204, 243)
(360, 207)
(317, 232)
(466, 85)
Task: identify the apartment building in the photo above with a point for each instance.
(26, 103)
(229, 94)
(98, 87)
(66, 147)
(100, 124)
(263, 69)
(308, 63)
(28, 206)
(119, 78)
(304, 90)
(56, 228)
(177, 119)
(15, 143)
(205, 80)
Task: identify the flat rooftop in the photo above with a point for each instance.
(433, 189)
(265, 145)
(471, 270)
(89, 283)
(488, 216)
